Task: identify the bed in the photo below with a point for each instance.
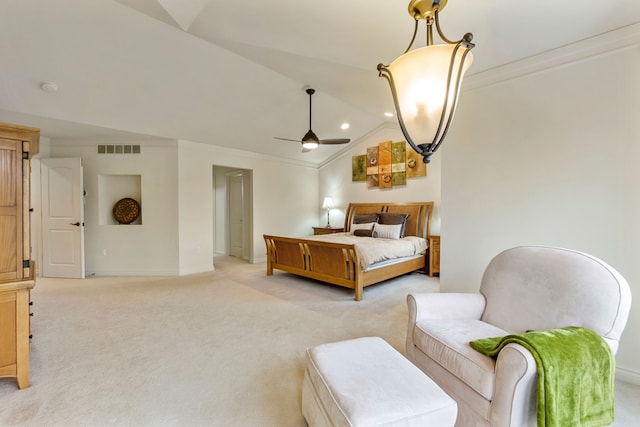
(325, 259)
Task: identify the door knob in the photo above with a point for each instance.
(77, 224)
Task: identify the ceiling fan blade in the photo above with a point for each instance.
(335, 141)
(287, 139)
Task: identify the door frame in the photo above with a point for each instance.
(228, 177)
(220, 210)
(79, 269)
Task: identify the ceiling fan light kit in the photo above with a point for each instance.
(425, 82)
(310, 140)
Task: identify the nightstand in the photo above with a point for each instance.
(434, 256)
(327, 230)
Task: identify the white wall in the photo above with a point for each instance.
(335, 181)
(147, 249)
(176, 235)
(545, 152)
(285, 200)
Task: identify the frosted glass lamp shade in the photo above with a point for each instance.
(420, 79)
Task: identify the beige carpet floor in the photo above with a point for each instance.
(224, 348)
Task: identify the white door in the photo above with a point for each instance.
(236, 214)
(62, 218)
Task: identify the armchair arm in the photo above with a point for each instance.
(435, 306)
(515, 397)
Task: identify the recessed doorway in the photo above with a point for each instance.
(232, 212)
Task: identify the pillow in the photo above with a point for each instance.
(367, 226)
(388, 231)
(365, 233)
(394, 219)
(365, 218)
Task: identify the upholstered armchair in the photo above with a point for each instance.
(523, 288)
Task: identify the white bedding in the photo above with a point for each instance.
(374, 250)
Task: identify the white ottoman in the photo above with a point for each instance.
(366, 382)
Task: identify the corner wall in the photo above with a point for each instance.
(118, 250)
(545, 152)
(176, 234)
(285, 200)
(335, 181)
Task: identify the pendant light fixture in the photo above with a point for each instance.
(425, 82)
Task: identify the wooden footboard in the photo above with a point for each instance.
(329, 262)
(334, 263)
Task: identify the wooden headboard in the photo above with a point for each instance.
(418, 222)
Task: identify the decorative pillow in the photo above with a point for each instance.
(365, 218)
(394, 219)
(387, 231)
(367, 226)
(365, 233)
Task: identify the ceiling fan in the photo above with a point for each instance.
(310, 140)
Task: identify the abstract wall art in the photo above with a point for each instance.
(387, 164)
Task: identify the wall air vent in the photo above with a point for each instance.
(118, 149)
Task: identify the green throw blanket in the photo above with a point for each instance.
(576, 370)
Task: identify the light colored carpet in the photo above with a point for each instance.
(224, 348)
(218, 349)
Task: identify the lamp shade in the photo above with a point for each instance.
(425, 83)
(327, 203)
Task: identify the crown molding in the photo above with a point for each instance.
(358, 141)
(234, 152)
(606, 43)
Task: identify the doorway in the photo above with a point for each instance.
(62, 218)
(232, 212)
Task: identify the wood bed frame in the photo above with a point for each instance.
(339, 263)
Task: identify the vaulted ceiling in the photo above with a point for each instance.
(232, 74)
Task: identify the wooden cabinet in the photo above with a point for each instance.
(434, 256)
(17, 271)
(327, 230)
(17, 145)
(15, 330)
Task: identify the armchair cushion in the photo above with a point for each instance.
(447, 343)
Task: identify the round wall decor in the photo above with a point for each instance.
(126, 210)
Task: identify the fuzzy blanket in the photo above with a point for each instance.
(576, 372)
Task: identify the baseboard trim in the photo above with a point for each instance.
(258, 260)
(627, 376)
(111, 273)
(190, 271)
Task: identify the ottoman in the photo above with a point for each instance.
(366, 382)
